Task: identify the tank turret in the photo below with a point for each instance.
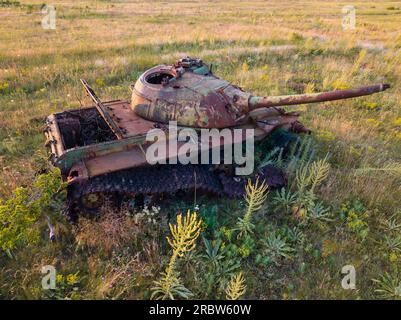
(189, 93)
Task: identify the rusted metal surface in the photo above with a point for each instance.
(130, 123)
(193, 99)
(264, 102)
(64, 156)
(53, 138)
(87, 161)
(102, 110)
(190, 94)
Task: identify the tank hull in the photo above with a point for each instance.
(103, 164)
(81, 160)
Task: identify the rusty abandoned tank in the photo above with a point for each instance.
(100, 149)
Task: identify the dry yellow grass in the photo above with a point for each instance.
(268, 47)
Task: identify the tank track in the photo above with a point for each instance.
(234, 187)
(169, 179)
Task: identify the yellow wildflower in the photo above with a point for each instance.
(236, 288)
(393, 257)
(72, 279)
(373, 122)
(100, 82)
(183, 239)
(371, 149)
(354, 151)
(339, 84)
(59, 278)
(184, 233)
(371, 105)
(4, 86)
(397, 122)
(245, 67)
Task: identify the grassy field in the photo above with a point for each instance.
(269, 48)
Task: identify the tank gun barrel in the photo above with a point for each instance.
(256, 102)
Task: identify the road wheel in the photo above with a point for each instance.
(93, 201)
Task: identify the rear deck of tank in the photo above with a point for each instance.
(128, 121)
(85, 126)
